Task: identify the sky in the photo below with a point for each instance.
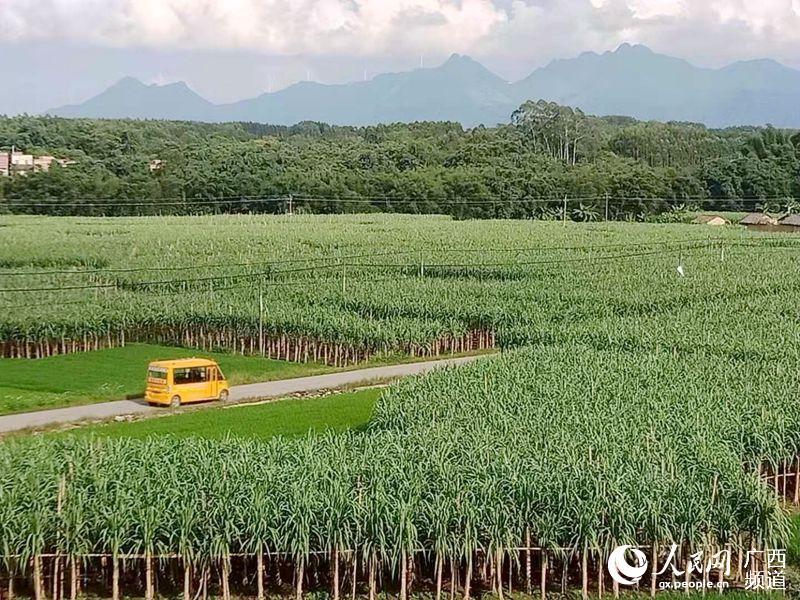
(56, 52)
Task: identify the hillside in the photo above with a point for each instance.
(460, 90)
(514, 171)
(130, 98)
(637, 82)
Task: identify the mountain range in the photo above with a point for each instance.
(632, 81)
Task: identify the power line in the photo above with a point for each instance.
(372, 200)
(677, 247)
(585, 247)
(269, 284)
(200, 266)
(154, 202)
(544, 262)
(556, 197)
(137, 203)
(446, 250)
(134, 284)
(127, 285)
(411, 266)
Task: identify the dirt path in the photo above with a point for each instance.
(239, 393)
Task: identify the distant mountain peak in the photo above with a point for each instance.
(131, 98)
(177, 85)
(628, 48)
(456, 58)
(762, 65)
(461, 65)
(461, 61)
(624, 50)
(129, 82)
(132, 83)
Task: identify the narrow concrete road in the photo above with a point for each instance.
(239, 393)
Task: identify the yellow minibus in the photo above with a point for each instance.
(185, 380)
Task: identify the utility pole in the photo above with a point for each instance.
(261, 316)
(290, 205)
(343, 267)
(606, 206)
(565, 211)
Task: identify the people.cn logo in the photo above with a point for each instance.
(621, 570)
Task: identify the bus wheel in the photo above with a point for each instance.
(223, 396)
(175, 402)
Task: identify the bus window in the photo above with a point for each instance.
(189, 375)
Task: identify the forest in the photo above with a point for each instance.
(549, 161)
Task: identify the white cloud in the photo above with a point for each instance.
(646, 9)
(708, 31)
(719, 31)
(649, 9)
(274, 26)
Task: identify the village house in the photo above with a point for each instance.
(791, 220)
(758, 218)
(15, 162)
(21, 163)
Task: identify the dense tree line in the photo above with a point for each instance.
(524, 169)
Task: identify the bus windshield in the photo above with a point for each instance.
(157, 374)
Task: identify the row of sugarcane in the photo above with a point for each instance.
(289, 324)
(413, 315)
(279, 347)
(43, 348)
(344, 573)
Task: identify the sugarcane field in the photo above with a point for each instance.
(630, 425)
